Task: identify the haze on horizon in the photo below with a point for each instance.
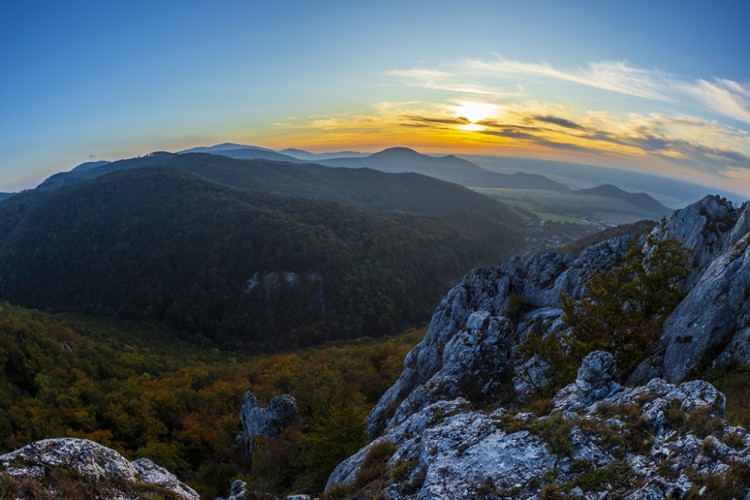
(662, 88)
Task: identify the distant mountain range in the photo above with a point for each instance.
(673, 192)
(292, 172)
(448, 168)
(393, 160)
(308, 156)
(363, 187)
(291, 155)
(642, 201)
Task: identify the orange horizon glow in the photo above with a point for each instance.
(673, 146)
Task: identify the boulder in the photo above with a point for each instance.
(89, 467)
(268, 422)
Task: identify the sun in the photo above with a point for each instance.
(475, 112)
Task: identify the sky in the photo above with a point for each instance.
(661, 87)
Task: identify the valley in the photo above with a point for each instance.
(134, 388)
(592, 209)
(374, 250)
(199, 276)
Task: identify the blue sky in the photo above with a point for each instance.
(656, 86)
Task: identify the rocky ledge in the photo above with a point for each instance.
(597, 440)
(471, 347)
(79, 468)
(462, 420)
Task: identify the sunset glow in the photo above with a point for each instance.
(492, 79)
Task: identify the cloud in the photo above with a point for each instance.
(512, 133)
(721, 96)
(683, 142)
(451, 82)
(562, 122)
(445, 121)
(606, 75)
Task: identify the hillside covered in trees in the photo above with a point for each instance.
(178, 404)
(232, 267)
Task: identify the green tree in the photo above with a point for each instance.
(623, 312)
(626, 307)
(335, 438)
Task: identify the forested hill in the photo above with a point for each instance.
(405, 192)
(234, 267)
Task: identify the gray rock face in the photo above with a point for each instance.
(714, 314)
(595, 380)
(266, 422)
(453, 451)
(712, 320)
(238, 491)
(631, 435)
(434, 368)
(91, 463)
(709, 227)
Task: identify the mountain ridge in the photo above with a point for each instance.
(641, 200)
(359, 187)
(449, 168)
(167, 244)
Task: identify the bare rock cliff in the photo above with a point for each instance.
(666, 436)
(713, 321)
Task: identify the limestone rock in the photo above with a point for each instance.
(486, 292)
(238, 491)
(88, 463)
(596, 376)
(266, 422)
(712, 315)
(472, 351)
(598, 429)
(711, 320)
(595, 380)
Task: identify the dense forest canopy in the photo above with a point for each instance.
(178, 404)
(231, 267)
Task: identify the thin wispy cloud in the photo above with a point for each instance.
(613, 76)
(721, 96)
(451, 82)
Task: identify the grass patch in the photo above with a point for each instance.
(554, 430)
(733, 383)
(734, 483)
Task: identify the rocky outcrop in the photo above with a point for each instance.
(273, 283)
(79, 468)
(484, 296)
(240, 491)
(714, 316)
(712, 323)
(600, 440)
(655, 438)
(267, 423)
